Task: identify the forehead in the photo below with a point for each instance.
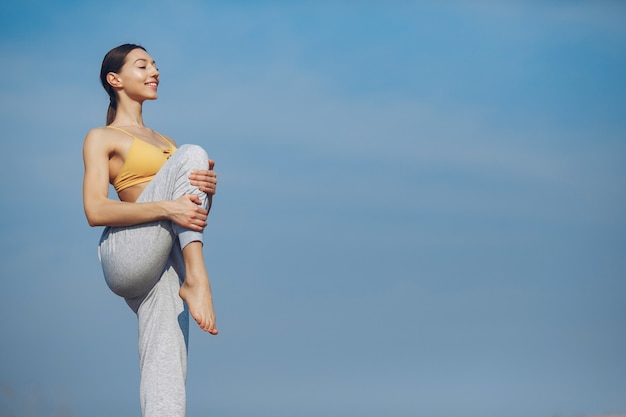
(136, 55)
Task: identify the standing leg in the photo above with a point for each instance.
(163, 339)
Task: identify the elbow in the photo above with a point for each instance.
(92, 219)
(92, 222)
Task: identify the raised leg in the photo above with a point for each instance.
(134, 257)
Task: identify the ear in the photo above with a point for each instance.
(114, 79)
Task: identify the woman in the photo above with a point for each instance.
(151, 247)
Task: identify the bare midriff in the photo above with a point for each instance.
(131, 194)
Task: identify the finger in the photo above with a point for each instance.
(199, 226)
(211, 164)
(192, 226)
(200, 174)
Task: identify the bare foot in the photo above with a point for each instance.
(197, 295)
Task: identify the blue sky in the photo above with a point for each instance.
(420, 209)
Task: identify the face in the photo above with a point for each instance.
(139, 77)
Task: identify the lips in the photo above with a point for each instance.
(152, 85)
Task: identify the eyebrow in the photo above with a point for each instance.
(144, 59)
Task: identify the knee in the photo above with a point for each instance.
(195, 154)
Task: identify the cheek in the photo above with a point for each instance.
(132, 75)
(138, 74)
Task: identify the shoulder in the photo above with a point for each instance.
(104, 136)
(103, 141)
(97, 134)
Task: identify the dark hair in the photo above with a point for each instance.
(113, 62)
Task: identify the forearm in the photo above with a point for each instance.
(120, 213)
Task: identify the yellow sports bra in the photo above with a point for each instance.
(142, 162)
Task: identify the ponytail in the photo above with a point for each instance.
(112, 110)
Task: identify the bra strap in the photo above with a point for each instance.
(171, 144)
(122, 130)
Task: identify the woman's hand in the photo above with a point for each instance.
(187, 211)
(205, 180)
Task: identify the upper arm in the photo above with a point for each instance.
(96, 151)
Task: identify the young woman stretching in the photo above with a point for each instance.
(151, 247)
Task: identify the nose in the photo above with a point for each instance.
(155, 71)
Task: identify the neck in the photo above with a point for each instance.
(129, 113)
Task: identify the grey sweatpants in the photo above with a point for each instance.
(144, 265)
